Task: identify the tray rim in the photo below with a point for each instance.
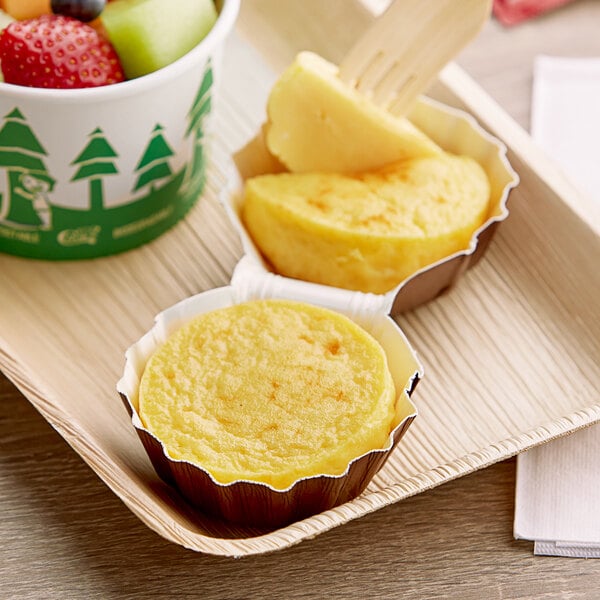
(517, 140)
(306, 529)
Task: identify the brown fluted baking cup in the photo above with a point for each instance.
(453, 130)
(253, 503)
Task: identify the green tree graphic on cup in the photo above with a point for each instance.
(199, 109)
(36, 222)
(154, 164)
(27, 204)
(201, 105)
(95, 162)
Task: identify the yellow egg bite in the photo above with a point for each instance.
(269, 391)
(371, 231)
(317, 122)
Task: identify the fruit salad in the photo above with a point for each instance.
(66, 44)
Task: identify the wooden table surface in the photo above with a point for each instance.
(63, 534)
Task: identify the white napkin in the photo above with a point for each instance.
(565, 116)
(558, 485)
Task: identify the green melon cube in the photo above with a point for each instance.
(151, 34)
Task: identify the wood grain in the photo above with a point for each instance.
(65, 327)
(395, 61)
(64, 535)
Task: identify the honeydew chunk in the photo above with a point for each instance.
(151, 34)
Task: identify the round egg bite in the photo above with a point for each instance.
(369, 231)
(269, 391)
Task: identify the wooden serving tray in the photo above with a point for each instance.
(511, 355)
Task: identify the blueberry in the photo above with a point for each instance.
(84, 10)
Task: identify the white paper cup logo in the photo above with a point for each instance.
(87, 173)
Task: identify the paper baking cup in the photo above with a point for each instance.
(91, 172)
(454, 131)
(253, 503)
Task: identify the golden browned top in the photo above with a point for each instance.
(415, 198)
(269, 390)
(366, 232)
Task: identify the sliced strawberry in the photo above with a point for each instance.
(53, 51)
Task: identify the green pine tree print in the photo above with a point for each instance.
(96, 161)
(201, 107)
(154, 163)
(29, 183)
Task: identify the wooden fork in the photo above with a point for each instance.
(402, 52)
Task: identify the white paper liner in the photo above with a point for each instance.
(454, 131)
(258, 503)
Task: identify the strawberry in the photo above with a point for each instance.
(54, 51)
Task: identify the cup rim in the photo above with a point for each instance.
(221, 28)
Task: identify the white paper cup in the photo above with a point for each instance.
(96, 171)
(251, 502)
(455, 131)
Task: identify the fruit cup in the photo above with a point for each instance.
(95, 171)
